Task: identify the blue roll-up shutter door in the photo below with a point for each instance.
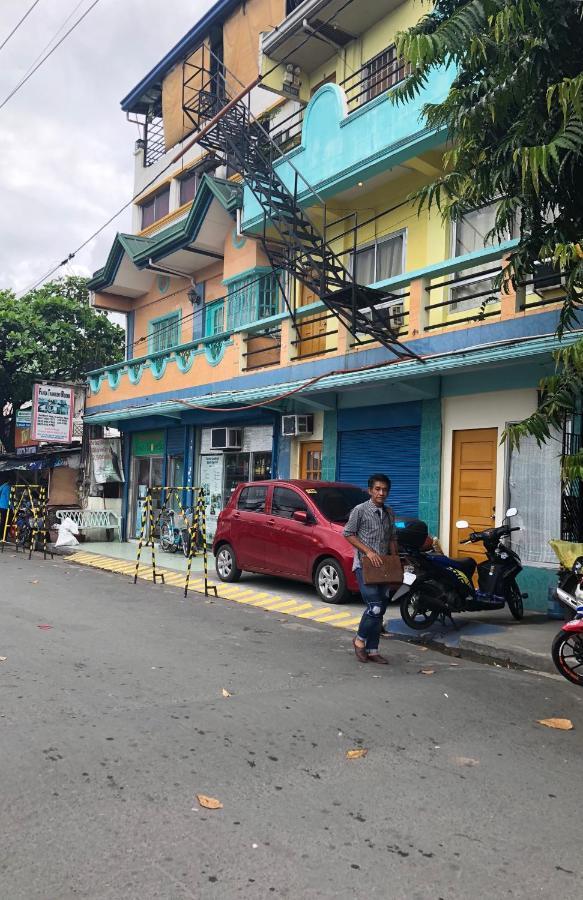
(175, 442)
(393, 451)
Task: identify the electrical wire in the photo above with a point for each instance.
(19, 23)
(55, 35)
(47, 56)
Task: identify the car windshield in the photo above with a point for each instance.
(336, 503)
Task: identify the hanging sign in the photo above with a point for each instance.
(52, 413)
(106, 460)
(211, 480)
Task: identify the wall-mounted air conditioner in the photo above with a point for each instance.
(547, 279)
(226, 438)
(292, 426)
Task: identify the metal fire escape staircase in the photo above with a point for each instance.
(292, 241)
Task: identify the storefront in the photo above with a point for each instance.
(222, 470)
(147, 471)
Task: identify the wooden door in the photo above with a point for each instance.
(311, 461)
(312, 332)
(473, 487)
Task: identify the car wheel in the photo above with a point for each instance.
(226, 564)
(330, 582)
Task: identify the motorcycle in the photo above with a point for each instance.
(435, 585)
(567, 646)
(567, 649)
(172, 537)
(569, 591)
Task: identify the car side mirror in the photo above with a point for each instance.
(461, 523)
(300, 515)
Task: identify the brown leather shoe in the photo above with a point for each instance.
(376, 657)
(361, 654)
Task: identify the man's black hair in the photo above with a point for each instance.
(378, 476)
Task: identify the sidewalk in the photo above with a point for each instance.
(490, 635)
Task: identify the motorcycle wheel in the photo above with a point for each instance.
(514, 601)
(415, 613)
(567, 652)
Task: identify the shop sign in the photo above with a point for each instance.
(27, 451)
(23, 418)
(52, 413)
(148, 443)
(106, 460)
(211, 481)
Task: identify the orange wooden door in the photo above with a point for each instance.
(473, 486)
(311, 460)
(312, 331)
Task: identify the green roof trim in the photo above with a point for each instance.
(176, 236)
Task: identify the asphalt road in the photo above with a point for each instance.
(113, 720)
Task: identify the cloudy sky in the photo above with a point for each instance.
(66, 149)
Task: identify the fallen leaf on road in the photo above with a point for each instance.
(561, 724)
(34, 582)
(226, 693)
(45, 627)
(209, 802)
(423, 649)
(466, 761)
(427, 671)
(3, 658)
(356, 754)
(453, 665)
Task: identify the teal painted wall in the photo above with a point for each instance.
(329, 445)
(430, 464)
(536, 582)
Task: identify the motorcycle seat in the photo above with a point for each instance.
(466, 564)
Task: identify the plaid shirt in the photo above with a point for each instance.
(373, 525)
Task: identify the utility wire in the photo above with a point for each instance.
(18, 24)
(156, 178)
(35, 68)
(63, 24)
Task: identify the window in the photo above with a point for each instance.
(379, 261)
(534, 488)
(470, 236)
(252, 299)
(188, 187)
(155, 207)
(285, 503)
(383, 72)
(252, 499)
(214, 322)
(164, 332)
(336, 503)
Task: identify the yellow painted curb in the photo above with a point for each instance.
(233, 592)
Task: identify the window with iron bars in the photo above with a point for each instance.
(383, 72)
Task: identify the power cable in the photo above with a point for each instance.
(18, 24)
(35, 68)
(63, 24)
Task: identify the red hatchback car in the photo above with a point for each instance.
(290, 528)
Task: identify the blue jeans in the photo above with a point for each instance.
(375, 597)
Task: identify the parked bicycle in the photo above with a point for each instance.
(173, 536)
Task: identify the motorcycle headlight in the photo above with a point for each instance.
(578, 566)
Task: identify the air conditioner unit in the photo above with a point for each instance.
(226, 438)
(547, 279)
(291, 426)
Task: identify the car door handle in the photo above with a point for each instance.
(236, 515)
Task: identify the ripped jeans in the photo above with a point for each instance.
(375, 597)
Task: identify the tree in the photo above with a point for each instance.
(52, 333)
(514, 121)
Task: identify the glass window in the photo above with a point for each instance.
(252, 300)
(236, 470)
(252, 499)
(188, 187)
(336, 503)
(261, 466)
(384, 72)
(155, 207)
(470, 236)
(534, 488)
(214, 318)
(379, 261)
(285, 502)
(165, 332)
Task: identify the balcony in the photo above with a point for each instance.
(331, 155)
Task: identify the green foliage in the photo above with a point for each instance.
(514, 123)
(51, 333)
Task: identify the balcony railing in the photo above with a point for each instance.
(374, 78)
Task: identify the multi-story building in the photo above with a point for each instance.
(282, 286)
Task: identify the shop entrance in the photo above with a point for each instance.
(148, 450)
(473, 486)
(311, 460)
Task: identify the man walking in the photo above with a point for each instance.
(371, 531)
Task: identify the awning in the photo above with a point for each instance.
(71, 458)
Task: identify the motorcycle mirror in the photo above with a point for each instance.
(511, 512)
(461, 523)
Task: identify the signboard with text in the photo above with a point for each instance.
(52, 413)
